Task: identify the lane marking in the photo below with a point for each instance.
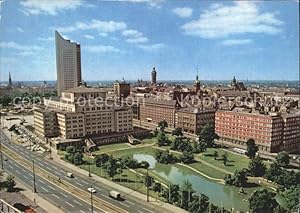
(82, 211)
(42, 181)
(18, 172)
(78, 183)
(140, 211)
(84, 181)
(130, 202)
(77, 202)
(10, 166)
(147, 210)
(56, 173)
(69, 204)
(44, 189)
(124, 204)
(56, 196)
(26, 177)
(64, 195)
(51, 187)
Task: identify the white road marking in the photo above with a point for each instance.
(147, 210)
(84, 182)
(42, 181)
(69, 204)
(56, 196)
(56, 173)
(64, 195)
(77, 202)
(79, 183)
(10, 166)
(26, 177)
(130, 202)
(140, 211)
(124, 204)
(82, 211)
(51, 187)
(18, 172)
(44, 189)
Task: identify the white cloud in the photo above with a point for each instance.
(243, 17)
(21, 50)
(103, 34)
(88, 36)
(20, 29)
(102, 49)
(152, 47)
(231, 42)
(98, 25)
(183, 12)
(151, 3)
(134, 36)
(36, 7)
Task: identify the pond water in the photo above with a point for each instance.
(219, 194)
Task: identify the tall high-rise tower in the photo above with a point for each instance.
(153, 76)
(68, 63)
(9, 80)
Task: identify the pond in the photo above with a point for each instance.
(219, 194)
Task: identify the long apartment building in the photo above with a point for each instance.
(81, 112)
(272, 132)
(193, 119)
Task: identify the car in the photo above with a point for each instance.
(92, 190)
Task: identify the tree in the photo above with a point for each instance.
(262, 201)
(174, 193)
(149, 181)
(251, 148)
(78, 158)
(156, 187)
(208, 135)
(256, 167)
(238, 179)
(186, 194)
(175, 144)
(224, 158)
(291, 197)
(10, 183)
(101, 159)
(273, 172)
(177, 131)
(164, 157)
(144, 164)
(199, 147)
(111, 168)
(216, 155)
(162, 139)
(187, 157)
(283, 159)
(70, 149)
(163, 125)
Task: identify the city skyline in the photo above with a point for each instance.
(132, 37)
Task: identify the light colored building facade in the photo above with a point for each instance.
(121, 89)
(154, 111)
(82, 112)
(271, 132)
(45, 123)
(68, 63)
(193, 119)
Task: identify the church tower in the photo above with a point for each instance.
(153, 76)
(197, 84)
(9, 80)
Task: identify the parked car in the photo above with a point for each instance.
(70, 174)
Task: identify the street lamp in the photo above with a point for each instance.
(1, 155)
(147, 186)
(92, 206)
(33, 172)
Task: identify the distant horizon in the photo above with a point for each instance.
(255, 40)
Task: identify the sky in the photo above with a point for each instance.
(255, 40)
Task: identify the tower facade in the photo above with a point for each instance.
(68, 63)
(197, 84)
(9, 80)
(153, 76)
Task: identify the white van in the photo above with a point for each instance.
(114, 194)
(70, 175)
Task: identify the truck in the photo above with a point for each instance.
(114, 194)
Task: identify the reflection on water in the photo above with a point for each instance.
(219, 194)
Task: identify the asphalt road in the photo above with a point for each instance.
(55, 194)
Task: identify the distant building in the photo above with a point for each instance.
(193, 119)
(153, 76)
(235, 85)
(81, 112)
(197, 84)
(9, 81)
(121, 89)
(68, 63)
(272, 132)
(154, 111)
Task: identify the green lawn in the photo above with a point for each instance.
(209, 171)
(110, 147)
(235, 161)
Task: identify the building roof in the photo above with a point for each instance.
(84, 89)
(196, 110)
(172, 103)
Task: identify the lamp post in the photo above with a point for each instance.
(92, 206)
(33, 172)
(1, 155)
(147, 186)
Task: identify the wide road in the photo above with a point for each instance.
(129, 204)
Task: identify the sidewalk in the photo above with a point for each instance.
(160, 206)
